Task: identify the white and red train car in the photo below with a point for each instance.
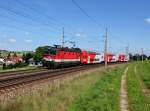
(122, 58)
(89, 57)
(117, 58)
(60, 57)
(109, 57)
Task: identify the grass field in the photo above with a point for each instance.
(66, 94)
(137, 99)
(18, 69)
(143, 69)
(90, 91)
(102, 96)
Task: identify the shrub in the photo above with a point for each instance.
(17, 65)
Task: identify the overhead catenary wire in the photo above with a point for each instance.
(45, 15)
(18, 27)
(27, 17)
(86, 14)
(98, 24)
(51, 19)
(90, 17)
(22, 14)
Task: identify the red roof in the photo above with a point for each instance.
(16, 59)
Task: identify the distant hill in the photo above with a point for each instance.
(3, 50)
(5, 53)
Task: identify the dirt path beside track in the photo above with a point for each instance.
(123, 92)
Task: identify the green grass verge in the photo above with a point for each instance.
(137, 99)
(62, 94)
(18, 69)
(54, 97)
(143, 69)
(103, 96)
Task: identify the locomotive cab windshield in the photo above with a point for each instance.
(50, 50)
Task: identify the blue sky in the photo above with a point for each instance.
(27, 24)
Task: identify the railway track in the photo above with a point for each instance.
(12, 80)
(2, 74)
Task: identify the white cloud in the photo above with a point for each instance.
(28, 41)
(80, 34)
(147, 20)
(12, 40)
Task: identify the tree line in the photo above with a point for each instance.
(138, 57)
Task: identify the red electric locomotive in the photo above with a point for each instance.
(61, 57)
